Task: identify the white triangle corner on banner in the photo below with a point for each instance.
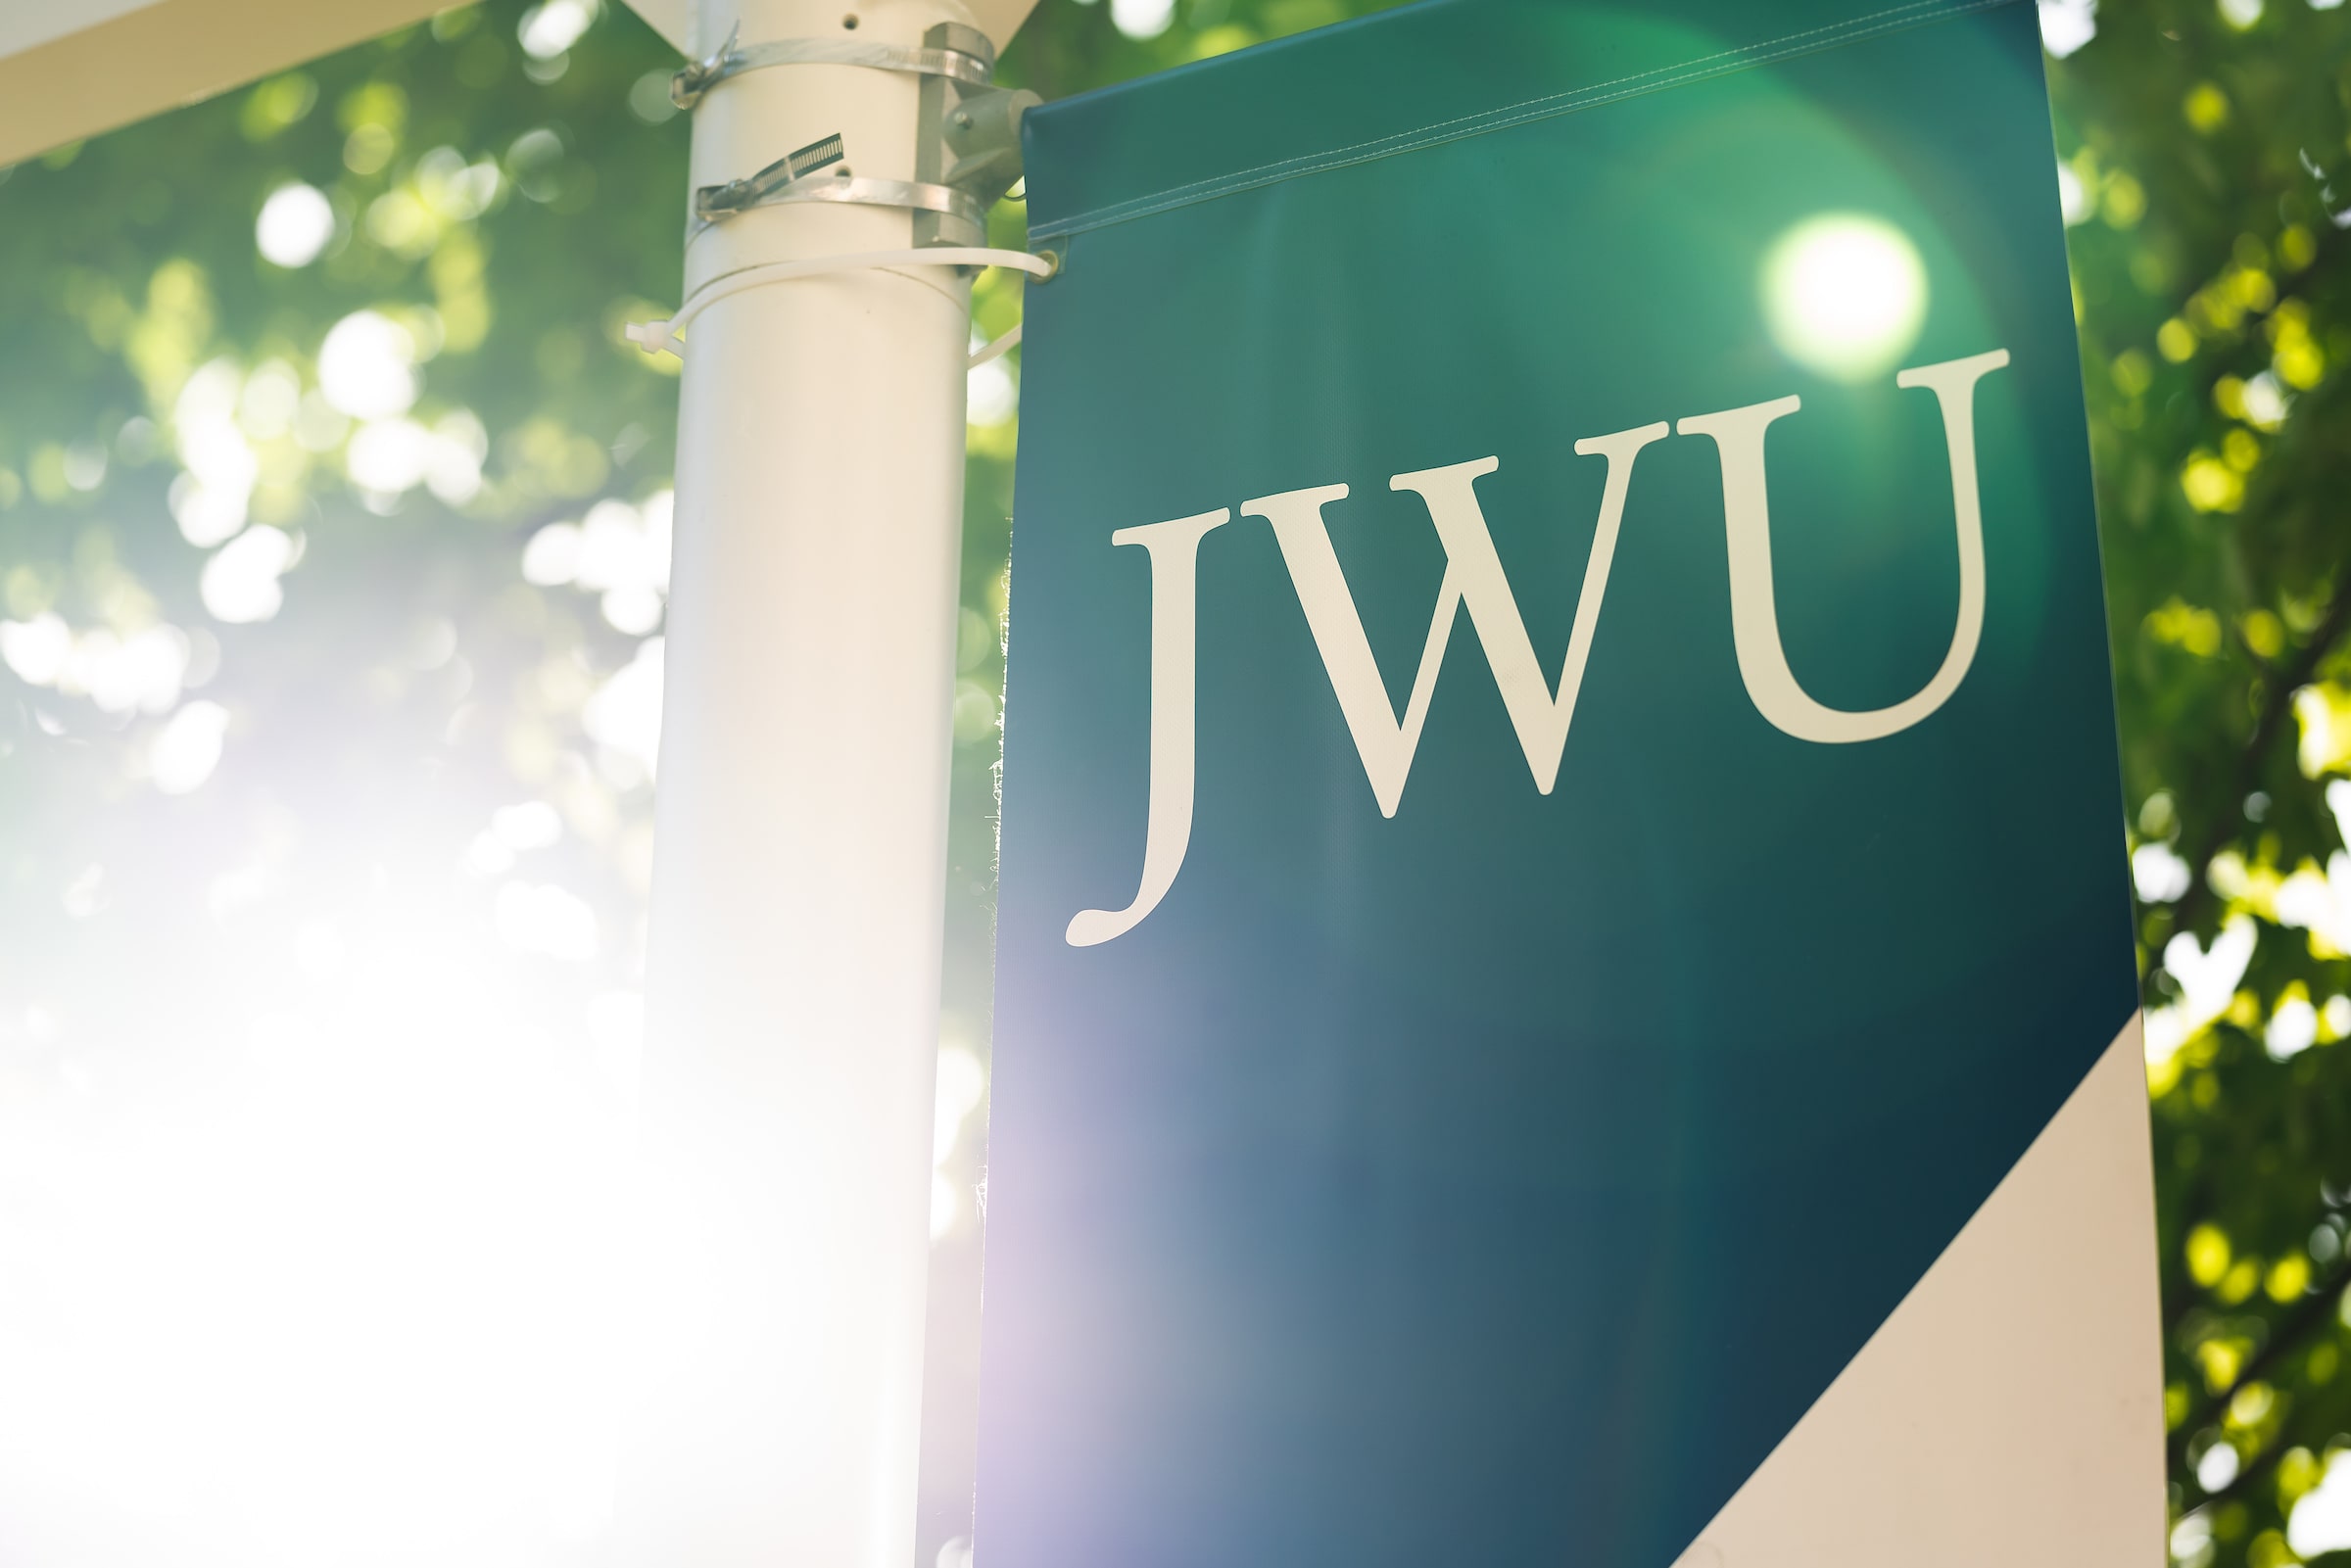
(2010, 1411)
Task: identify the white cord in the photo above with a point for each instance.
(661, 337)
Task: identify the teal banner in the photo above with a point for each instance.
(1560, 827)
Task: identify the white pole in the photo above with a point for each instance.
(801, 849)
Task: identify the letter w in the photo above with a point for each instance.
(1473, 576)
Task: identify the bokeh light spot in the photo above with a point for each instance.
(1142, 19)
(239, 583)
(1844, 295)
(295, 224)
(367, 366)
(187, 749)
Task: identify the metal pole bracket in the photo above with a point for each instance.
(967, 135)
(971, 59)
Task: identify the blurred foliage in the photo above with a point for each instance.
(2209, 188)
(444, 594)
(503, 214)
(327, 832)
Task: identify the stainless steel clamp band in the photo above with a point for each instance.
(686, 87)
(773, 186)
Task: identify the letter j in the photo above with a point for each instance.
(1175, 549)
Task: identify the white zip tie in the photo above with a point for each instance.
(982, 356)
(661, 337)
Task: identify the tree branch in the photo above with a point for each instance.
(2253, 1469)
(2308, 1313)
(2277, 705)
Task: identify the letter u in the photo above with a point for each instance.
(1738, 436)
